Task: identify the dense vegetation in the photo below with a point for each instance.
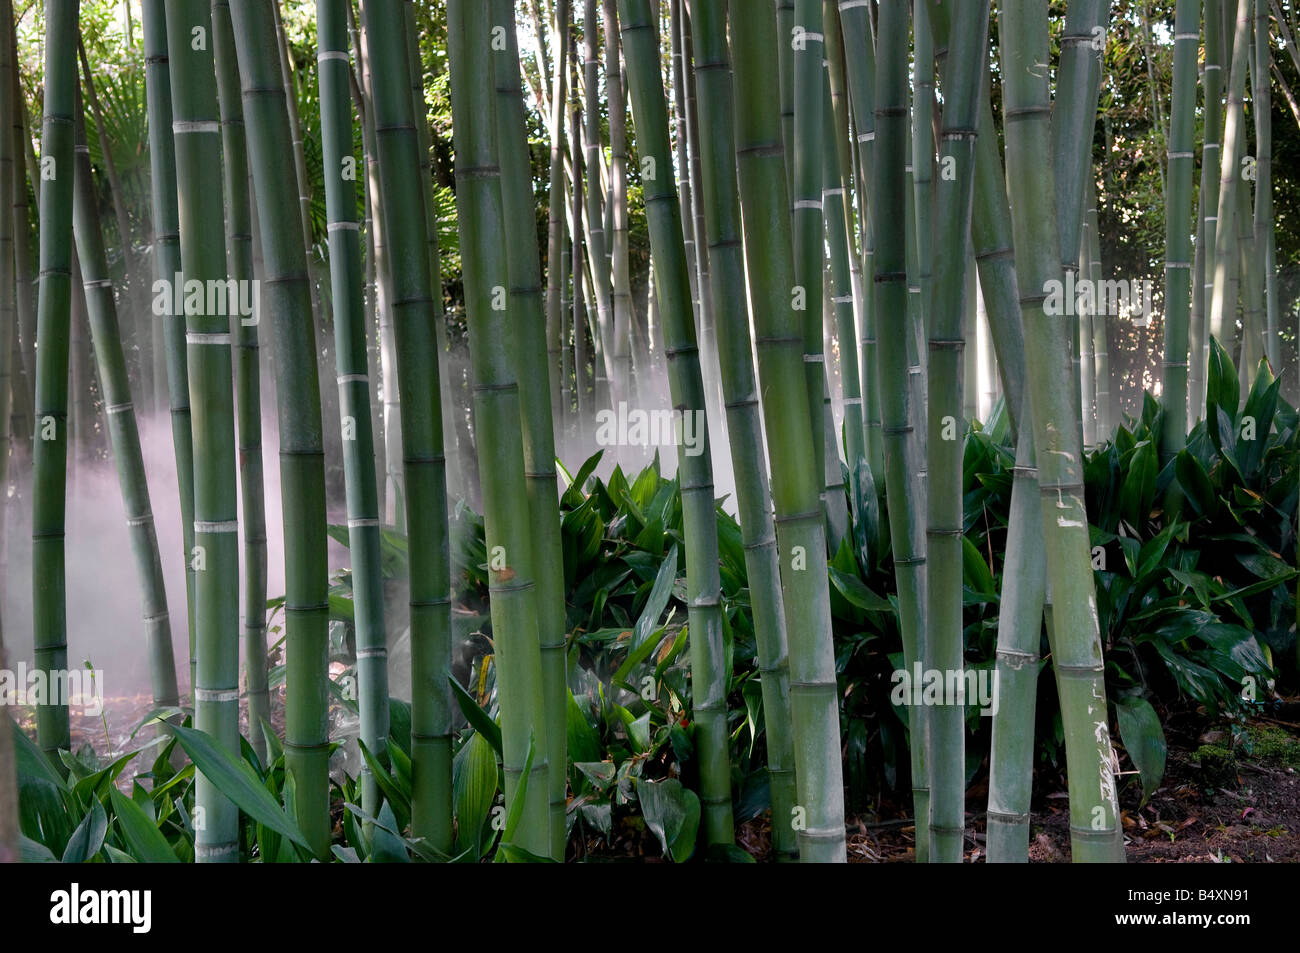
(688, 430)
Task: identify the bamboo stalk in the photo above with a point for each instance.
(497, 414)
(215, 555)
(1095, 834)
(1223, 300)
(1178, 239)
(722, 228)
(797, 481)
(708, 673)
(531, 368)
(1208, 197)
(945, 433)
(167, 263)
(54, 303)
(555, 227)
(120, 412)
(248, 397)
(422, 443)
(354, 387)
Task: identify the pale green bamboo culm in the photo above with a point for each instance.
(497, 417)
(167, 264)
(248, 389)
(122, 429)
(672, 284)
(962, 79)
(286, 304)
(722, 227)
(1178, 238)
(797, 475)
(1095, 834)
(526, 302)
(359, 471)
(196, 128)
(53, 323)
(424, 466)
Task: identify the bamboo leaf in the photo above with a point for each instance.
(141, 834)
(479, 720)
(673, 814)
(1144, 740)
(88, 838)
(237, 781)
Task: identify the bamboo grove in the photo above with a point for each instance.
(807, 233)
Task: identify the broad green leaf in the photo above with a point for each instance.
(479, 719)
(474, 789)
(1144, 740)
(88, 838)
(237, 781)
(672, 813)
(856, 592)
(144, 839)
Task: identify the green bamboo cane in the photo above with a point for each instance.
(425, 138)
(422, 445)
(708, 674)
(785, 71)
(1208, 200)
(394, 492)
(9, 823)
(797, 481)
(167, 264)
(693, 208)
(1100, 333)
(1223, 300)
(357, 85)
(497, 413)
(577, 261)
(54, 303)
(621, 293)
(807, 44)
(1073, 118)
(125, 437)
(1178, 239)
(838, 228)
(287, 302)
(898, 460)
(922, 161)
(944, 439)
(859, 80)
(555, 227)
(1087, 363)
(248, 396)
(1261, 106)
(140, 326)
(21, 210)
(354, 386)
(598, 257)
(23, 273)
(722, 227)
(1076, 650)
(215, 555)
(525, 272)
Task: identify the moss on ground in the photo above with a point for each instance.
(1271, 744)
